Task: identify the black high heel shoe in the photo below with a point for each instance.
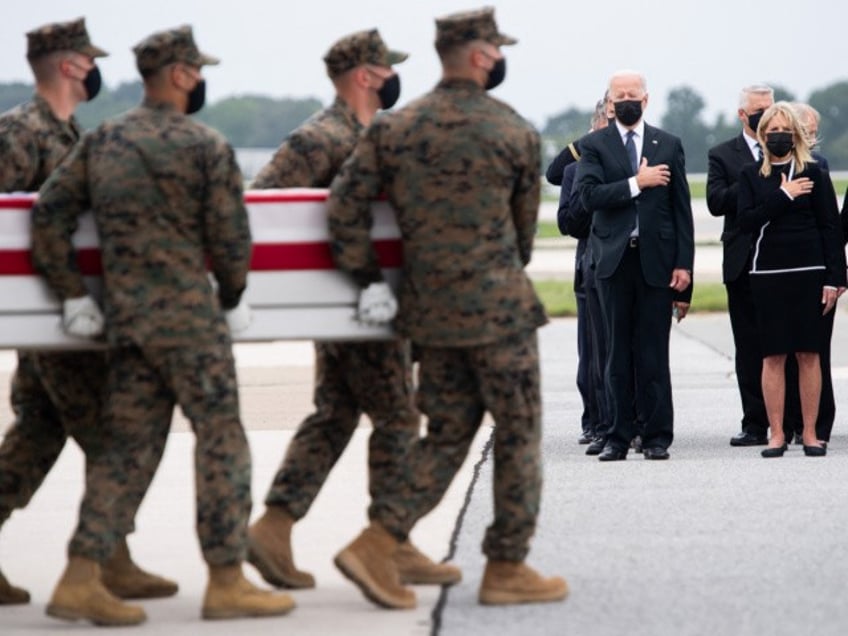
(775, 452)
(815, 451)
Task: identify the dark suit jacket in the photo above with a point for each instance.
(844, 217)
(567, 156)
(726, 162)
(574, 220)
(666, 229)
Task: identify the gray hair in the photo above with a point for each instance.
(630, 73)
(805, 110)
(754, 89)
(600, 112)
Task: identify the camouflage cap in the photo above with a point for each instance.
(61, 36)
(166, 47)
(459, 28)
(363, 47)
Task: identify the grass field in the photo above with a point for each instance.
(558, 297)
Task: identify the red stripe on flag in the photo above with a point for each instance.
(267, 257)
(19, 262)
(14, 202)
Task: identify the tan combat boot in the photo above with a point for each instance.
(416, 568)
(80, 594)
(123, 578)
(509, 582)
(369, 563)
(269, 550)
(230, 595)
(10, 594)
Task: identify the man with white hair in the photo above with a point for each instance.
(725, 163)
(633, 177)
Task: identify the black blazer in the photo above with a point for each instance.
(792, 234)
(666, 229)
(574, 220)
(726, 162)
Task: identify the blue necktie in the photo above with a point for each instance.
(630, 147)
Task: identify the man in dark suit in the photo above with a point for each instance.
(725, 163)
(633, 177)
(574, 220)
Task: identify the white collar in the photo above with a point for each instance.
(752, 142)
(639, 129)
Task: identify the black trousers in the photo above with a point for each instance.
(638, 321)
(749, 358)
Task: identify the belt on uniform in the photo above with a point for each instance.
(633, 242)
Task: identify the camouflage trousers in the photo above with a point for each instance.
(352, 378)
(144, 386)
(55, 395)
(456, 387)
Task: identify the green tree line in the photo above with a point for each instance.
(257, 121)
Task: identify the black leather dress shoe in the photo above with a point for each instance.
(777, 451)
(612, 454)
(585, 437)
(596, 446)
(657, 452)
(815, 451)
(748, 439)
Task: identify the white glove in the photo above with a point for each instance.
(82, 317)
(239, 317)
(377, 304)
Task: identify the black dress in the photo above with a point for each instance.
(797, 249)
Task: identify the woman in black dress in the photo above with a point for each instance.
(797, 265)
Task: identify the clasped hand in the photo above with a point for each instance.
(652, 176)
(796, 187)
(82, 317)
(377, 304)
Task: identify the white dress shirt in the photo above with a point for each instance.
(638, 141)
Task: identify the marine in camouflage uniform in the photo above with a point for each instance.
(461, 170)
(55, 394)
(351, 378)
(166, 194)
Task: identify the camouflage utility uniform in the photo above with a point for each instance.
(54, 394)
(461, 170)
(166, 195)
(350, 377)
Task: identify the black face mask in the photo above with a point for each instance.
(497, 74)
(779, 144)
(92, 83)
(754, 120)
(628, 111)
(389, 92)
(196, 97)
